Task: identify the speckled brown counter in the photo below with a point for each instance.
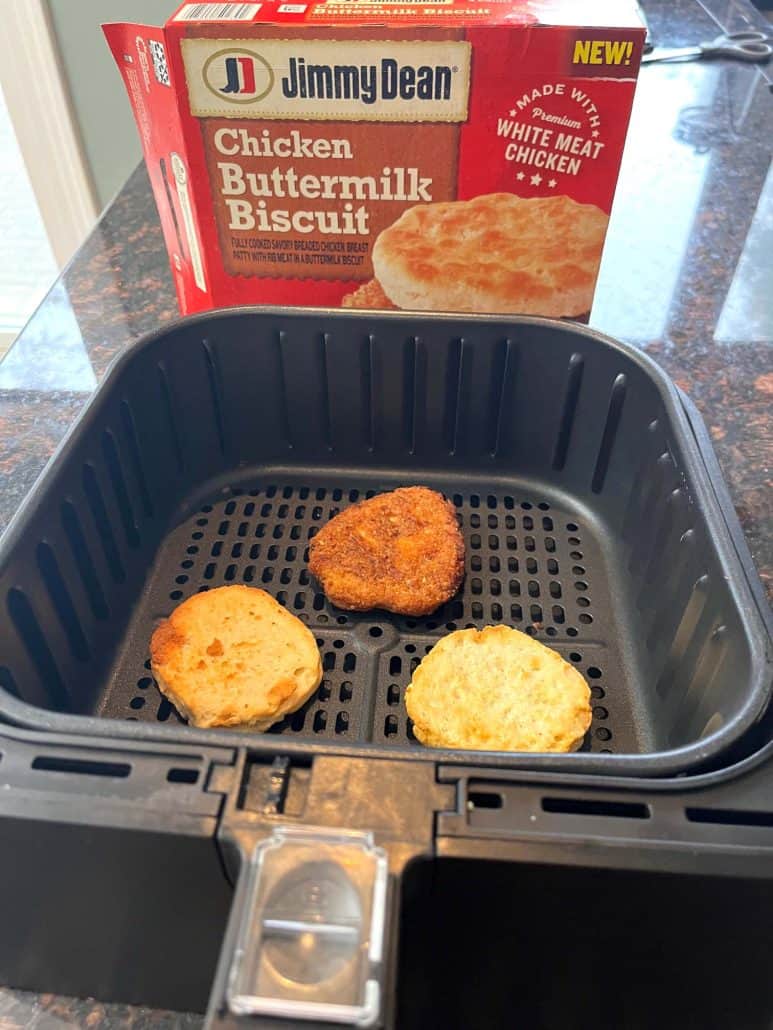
(687, 275)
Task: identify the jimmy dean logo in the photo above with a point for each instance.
(316, 79)
(367, 82)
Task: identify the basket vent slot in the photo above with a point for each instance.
(366, 388)
(83, 560)
(182, 776)
(168, 408)
(729, 817)
(614, 414)
(37, 648)
(454, 370)
(118, 481)
(410, 392)
(596, 807)
(501, 373)
(685, 632)
(571, 397)
(284, 414)
(62, 602)
(485, 799)
(216, 392)
(97, 505)
(7, 682)
(130, 432)
(327, 418)
(82, 767)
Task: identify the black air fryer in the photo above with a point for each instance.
(594, 519)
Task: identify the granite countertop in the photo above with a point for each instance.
(687, 276)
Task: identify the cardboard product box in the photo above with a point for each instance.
(428, 154)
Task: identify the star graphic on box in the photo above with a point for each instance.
(536, 179)
(595, 133)
(520, 177)
(513, 113)
(552, 183)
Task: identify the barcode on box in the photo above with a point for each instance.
(160, 67)
(217, 12)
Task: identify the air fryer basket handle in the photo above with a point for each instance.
(369, 817)
(251, 900)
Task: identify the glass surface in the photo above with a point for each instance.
(27, 264)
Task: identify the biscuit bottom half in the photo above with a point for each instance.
(497, 689)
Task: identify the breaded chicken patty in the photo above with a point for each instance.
(401, 551)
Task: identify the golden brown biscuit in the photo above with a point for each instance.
(401, 551)
(234, 657)
(497, 689)
(369, 295)
(496, 253)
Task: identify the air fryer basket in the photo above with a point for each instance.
(217, 447)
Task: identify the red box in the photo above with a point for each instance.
(438, 154)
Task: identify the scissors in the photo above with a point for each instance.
(739, 46)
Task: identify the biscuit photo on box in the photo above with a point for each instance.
(370, 295)
(497, 253)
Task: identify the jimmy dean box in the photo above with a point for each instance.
(433, 155)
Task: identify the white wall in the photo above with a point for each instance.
(102, 110)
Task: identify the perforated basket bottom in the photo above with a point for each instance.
(529, 564)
